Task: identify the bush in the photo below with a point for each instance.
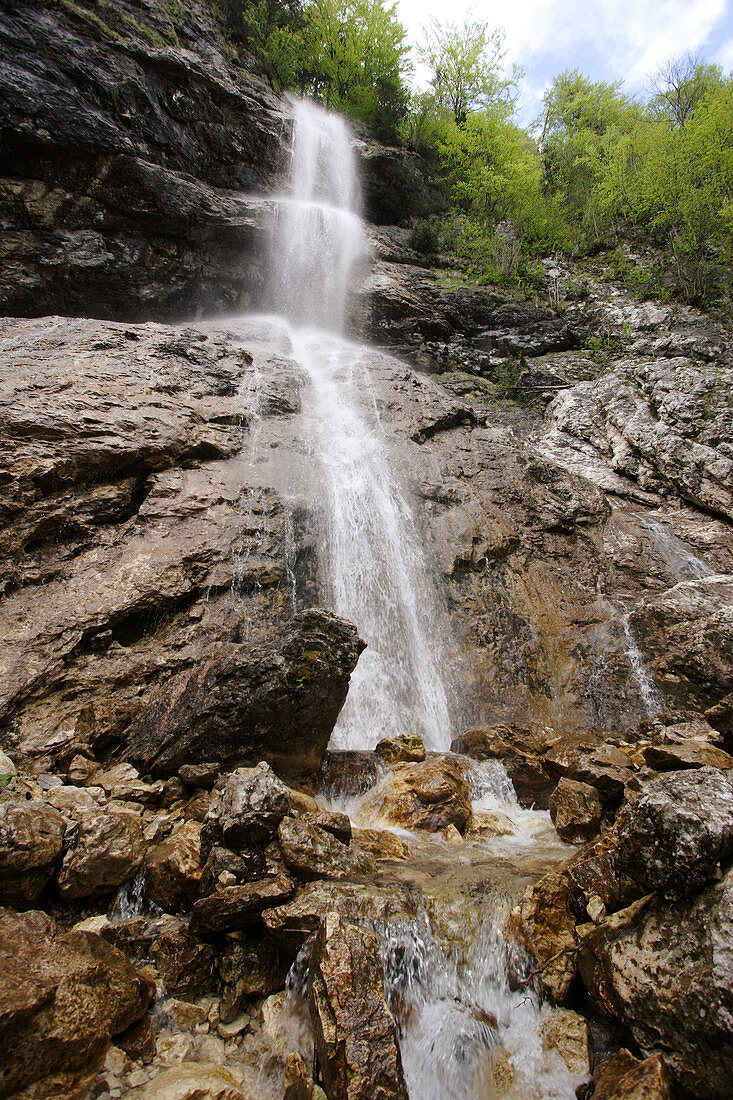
(424, 238)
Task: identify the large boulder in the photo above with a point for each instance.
(575, 809)
(544, 923)
(245, 814)
(429, 795)
(173, 868)
(666, 971)
(673, 838)
(585, 758)
(355, 1033)
(276, 702)
(63, 995)
(235, 907)
(106, 849)
(31, 841)
(311, 852)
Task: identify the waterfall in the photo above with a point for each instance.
(372, 568)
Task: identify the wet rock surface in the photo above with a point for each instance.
(355, 1033)
(147, 219)
(62, 997)
(677, 833)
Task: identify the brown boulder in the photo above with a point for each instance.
(623, 1077)
(251, 967)
(355, 1034)
(173, 868)
(278, 702)
(400, 750)
(311, 852)
(108, 849)
(31, 841)
(62, 996)
(236, 907)
(292, 923)
(430, 796)
(193, 1081)
(543, 921)
(575, 809)
(586, 759)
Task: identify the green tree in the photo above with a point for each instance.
(581, 127)
(356, 60)
(467, 66)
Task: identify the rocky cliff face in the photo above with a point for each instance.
(131, 137)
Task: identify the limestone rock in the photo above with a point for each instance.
(193, 1081)
(250, 968)
(311, 852)
(355, 1034)
(338, 824)
(351, 772)
(199, 775)
(31, 841)
(381, 843)
(298, 1079)
(7, 768)
(429, 795)
(488, 823)
(671, 757)
(545, 924)
(595, 880)
(400, 750)
(173, 868)
(292, 923)
(676, 833)
(277, 702)
(235, 907)
(575, 809)
(62, 997)
(585, 759)
(665, 971)
(108, 849)
(567, 1033)
(623, 1077)
(247, 811)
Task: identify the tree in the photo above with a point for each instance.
(467, 65)
(681, 86)
(356, 58)
(581, 126)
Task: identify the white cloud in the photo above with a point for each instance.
(606, 39)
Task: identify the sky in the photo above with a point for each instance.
(605, 39)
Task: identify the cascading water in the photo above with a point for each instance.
(446, 970)
(372, 566)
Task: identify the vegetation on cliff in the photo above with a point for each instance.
(598, 169)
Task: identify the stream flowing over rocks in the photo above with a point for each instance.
(366, 693)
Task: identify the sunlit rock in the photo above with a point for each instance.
(355, 1034)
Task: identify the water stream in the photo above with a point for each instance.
(447, 965)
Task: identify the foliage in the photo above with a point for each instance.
(424, 238)
(349, 54)
(466, 64)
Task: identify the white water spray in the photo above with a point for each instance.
(372, 566)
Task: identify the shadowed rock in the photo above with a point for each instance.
(62, 996)
(278, 702)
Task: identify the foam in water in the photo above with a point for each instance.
(372, 566)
